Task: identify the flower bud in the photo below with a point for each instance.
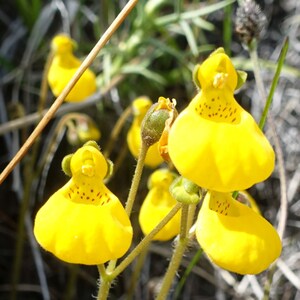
(154, 122)
(185, 191)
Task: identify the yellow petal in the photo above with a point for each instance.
(214, 142)
(157, 205)
(235, 237)
(63, 68)
(217, 72)
(84, 222)
(245, 198)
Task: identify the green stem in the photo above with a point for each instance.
(188, 270)
(137, 272)
(274, 83)
(133, 191)
(136, 179)
(106, 277)
(105, 283)
(187, 215)
(145, 242)
(105, 280)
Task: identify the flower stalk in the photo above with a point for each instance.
(107, 276)
(136, 178)
(187, 214)
(105, 283)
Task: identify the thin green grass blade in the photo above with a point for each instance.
(188, 270)
(190, 37)
(227, 28)
(203, 24)
(274, 83)
(203, 11)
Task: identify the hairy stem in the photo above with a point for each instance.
(105, 283)
(145, 241)
(136, 178)
(187, 215)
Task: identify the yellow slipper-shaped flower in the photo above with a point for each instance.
(140, 107)
(214, 142)
(234, 236)
(63, 68)
(84, 222)
(157, 204)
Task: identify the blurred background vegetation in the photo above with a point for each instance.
(153, 53)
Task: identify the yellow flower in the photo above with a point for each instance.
(88, 130)
(84, 222)
(158, 204)
(234, 236)
(140, 107)
(81, 129)
(64, 66)
(214, 142)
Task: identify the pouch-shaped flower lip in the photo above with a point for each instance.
(234, 236)
(214, 142)
(157, 204)
(84, 222)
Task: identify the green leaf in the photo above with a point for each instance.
(203, 11)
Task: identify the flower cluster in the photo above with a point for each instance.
(216, 144)
(213, 143)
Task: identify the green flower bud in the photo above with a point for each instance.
(154, 122)
(185, 191)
